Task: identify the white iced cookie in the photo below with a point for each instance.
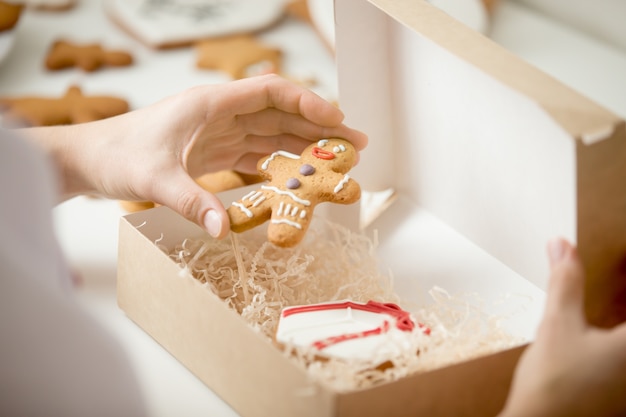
(347, 330)
(170, 23)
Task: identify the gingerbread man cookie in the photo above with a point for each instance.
(90, 57)
(240, 56)
(297, 183)
(73, 107)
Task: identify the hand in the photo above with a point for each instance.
(154, 153)
(572, 369)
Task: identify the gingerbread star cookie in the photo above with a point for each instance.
(240, 56)
(296, 184)
(73, 107)
(89, 57)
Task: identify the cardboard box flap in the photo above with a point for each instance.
(247, 370)
(453, 140)
(490, 145)
(579, 116)
(366, 53)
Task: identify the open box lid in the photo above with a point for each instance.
(494, 148)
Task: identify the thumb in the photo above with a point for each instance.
(566, 288)
(183, 195)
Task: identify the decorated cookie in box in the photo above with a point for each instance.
(348, 330)
(296, 185)
(173, 23)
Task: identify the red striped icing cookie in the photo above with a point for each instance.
(347, 330)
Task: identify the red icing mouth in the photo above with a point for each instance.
(322, 154)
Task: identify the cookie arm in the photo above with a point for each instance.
(262, 167)
(345, 190)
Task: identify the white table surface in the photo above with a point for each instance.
(87, 228)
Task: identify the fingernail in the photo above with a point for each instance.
(557, 249)
(213, 223)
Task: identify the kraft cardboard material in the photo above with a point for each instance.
(250, 373)
(193, 324)
(488, 158)
(497, 149)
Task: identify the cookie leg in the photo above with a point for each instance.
(289, 223)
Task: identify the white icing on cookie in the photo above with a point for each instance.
(343, 332)
(288, 193)
(287, 221)
(343, 182)
(243, 209)
(258, 201)
(286, 154)
(249, 195)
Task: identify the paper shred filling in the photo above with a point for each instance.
(258, 279)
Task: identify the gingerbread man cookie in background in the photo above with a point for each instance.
(9, 15)
(89, 57)
(296, 184)
(240, 56)
(73, 107)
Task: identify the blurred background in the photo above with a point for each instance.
(581, 43)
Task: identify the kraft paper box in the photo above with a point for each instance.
(486, 158)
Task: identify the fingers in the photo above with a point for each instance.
(253, 94)
(182, 194)
(566, 287)
(247, 164)
(271, 122)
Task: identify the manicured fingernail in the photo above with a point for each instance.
(213, 223)
(557, 249)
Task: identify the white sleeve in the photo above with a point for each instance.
(55, 360)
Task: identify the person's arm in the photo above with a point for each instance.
(155, 152)
(571, 369)
(56, 358)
